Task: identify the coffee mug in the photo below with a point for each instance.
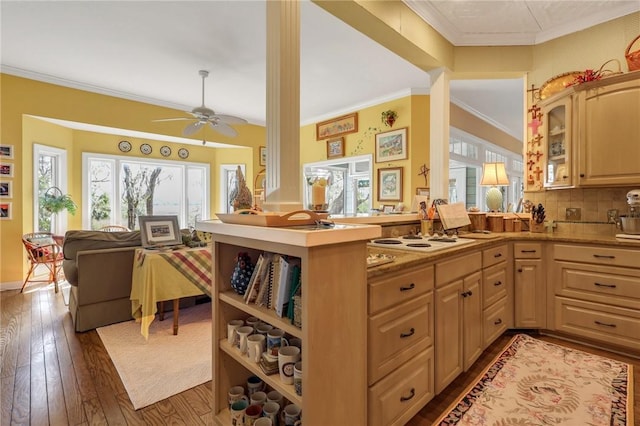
(237, 411)
(253, 321)
(244, 333)
(258, 398)
(297, 377)
(275, 396)
(232, 331)
(271, 411)
(296, 341)
(254, 384)
(290, 415)
(275, 340)
(256, 344)
(287, 358)
(264, 421)
(263, 328)
(235, 394)
(253, 413)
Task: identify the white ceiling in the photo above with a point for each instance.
(152, 50)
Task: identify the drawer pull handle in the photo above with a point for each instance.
(412, 393)
(605, 324)
(519, 269)
(497, 322)
(605, 285)
(497, 255)
(466, 293)
(497, 283)
(410, 287)
(409, 334)
(527, 251)
(603, 256)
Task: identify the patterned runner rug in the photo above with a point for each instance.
(538, 383)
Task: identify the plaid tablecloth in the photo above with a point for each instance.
(159, 276)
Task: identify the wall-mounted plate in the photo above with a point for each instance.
(183, 153)
(165, 151)
(146, 149)
(124, 146)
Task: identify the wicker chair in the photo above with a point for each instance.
(115, 228)
(42, 249)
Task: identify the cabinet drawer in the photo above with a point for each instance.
(494, 255)
(606, 323)
(458, 267)
(494, 284)
(495, 321)
(400, 395)
(396, 335)
(399, 288)
(527, 250)
(595, 283)
(597, 255)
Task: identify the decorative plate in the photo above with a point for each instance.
(146, 149)
(183, 153)
(557, 84)
(165, 151)
(124, 146)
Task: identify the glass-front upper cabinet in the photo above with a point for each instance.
(556, 140)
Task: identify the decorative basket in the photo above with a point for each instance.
(633, 58)
(604, 72)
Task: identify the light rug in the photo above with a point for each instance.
(155, 369)
(538, 383)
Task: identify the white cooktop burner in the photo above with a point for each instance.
(418, 243)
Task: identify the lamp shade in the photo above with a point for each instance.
(494, 174)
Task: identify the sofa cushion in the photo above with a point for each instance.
(75, 241)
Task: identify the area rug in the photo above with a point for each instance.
(539, 383)
(165, 365)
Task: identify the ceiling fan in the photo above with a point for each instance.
(203, 116)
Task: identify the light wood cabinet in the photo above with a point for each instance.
(556, 142)
(497, 301)
(400, 345)
(529, 287)
(609, 131)
(458, 316)
(334, 318)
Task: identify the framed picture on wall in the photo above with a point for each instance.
(391, 146)
(263, 156)
(6, 151)
(6, 189)
(337, 126)
(390, 184)
(335, 148)
(5, 211)
(422, 191)
(6, 170)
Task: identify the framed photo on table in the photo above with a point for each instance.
(390, 184)
(157, 231)
(335, 148)
(391, 146)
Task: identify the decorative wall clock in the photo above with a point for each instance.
(146, 149)
(183, 153)
(124, 146)
(165, 151)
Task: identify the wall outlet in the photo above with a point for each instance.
(573, 213)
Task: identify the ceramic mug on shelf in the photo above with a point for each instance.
(275, 396)
(264, 421)
(254, 384)
(297, 377)
(237, 412)
(271, 410)
(287, 358)
(253, 413)
(263, 328)
(290, 415)
(253, 321)
(235, 394)
(275, 340)
(232, 331)
(256, 344)
(243, 333)
(258, 398)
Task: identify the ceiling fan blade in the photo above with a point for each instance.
(173, 119)
(192, 128)
(224, 129)
(230, 119)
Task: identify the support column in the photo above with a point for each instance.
(439, 133)
(283, 106)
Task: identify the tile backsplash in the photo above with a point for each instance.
(592, 202)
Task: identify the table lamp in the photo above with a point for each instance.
(494, 175)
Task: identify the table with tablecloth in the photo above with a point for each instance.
(167, 275)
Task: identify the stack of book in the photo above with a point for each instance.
(276, 279)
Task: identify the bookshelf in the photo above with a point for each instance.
(334, 317)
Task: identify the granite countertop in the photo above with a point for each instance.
(406, 259)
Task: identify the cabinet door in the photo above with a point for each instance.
(556, 142)
(449, 317)
(472, 311)
(610, 131)
(529, 293)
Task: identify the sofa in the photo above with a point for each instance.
(98, 265)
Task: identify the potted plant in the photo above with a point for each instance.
(389, 117)
(54, 201)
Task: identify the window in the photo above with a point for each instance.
(349, 190)
(48, 162)
(119, 189)
(227, 182)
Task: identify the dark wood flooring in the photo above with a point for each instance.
(51, 375)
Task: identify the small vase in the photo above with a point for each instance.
(241, 273)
